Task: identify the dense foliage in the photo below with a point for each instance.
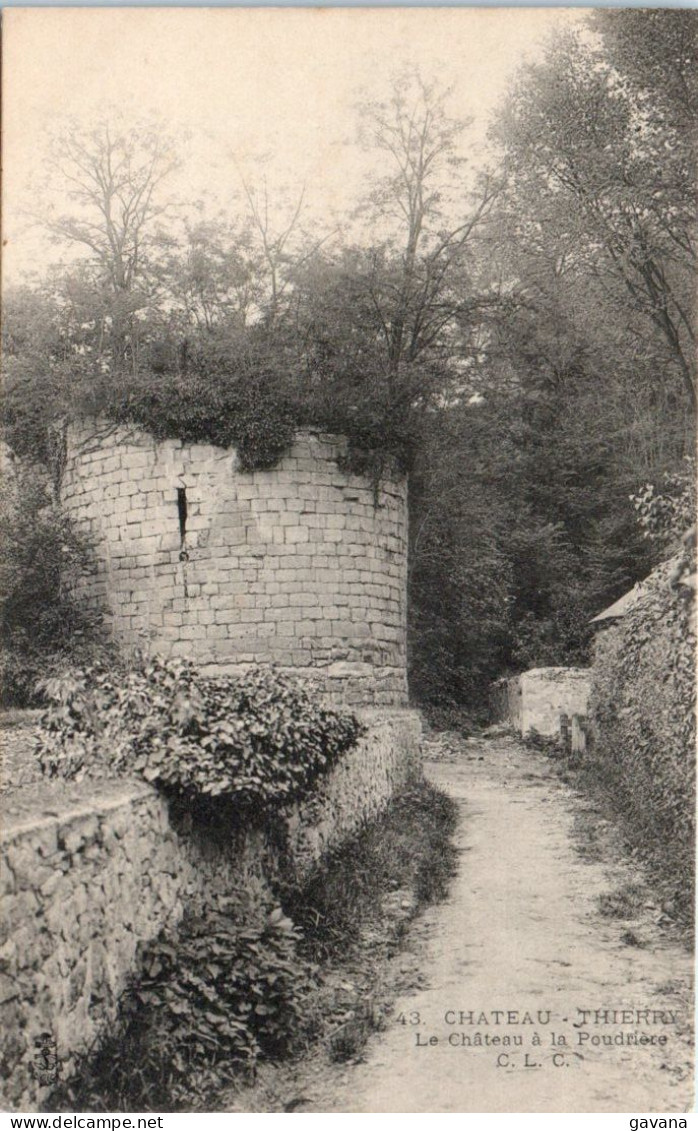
(210, 999)
(522, 338)
(42, 625)
(577, 412)
(644, 714)
(668, 510)
(257, 740)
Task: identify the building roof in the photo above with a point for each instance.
(622, 606)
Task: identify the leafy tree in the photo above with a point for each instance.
(213, 277)
(380, 327)
(460, 579)
(654, 52)
(47, 350)
(575, 394)
(613, 186)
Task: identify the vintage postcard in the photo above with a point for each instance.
(347, 550)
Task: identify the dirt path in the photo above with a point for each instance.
(524, 933)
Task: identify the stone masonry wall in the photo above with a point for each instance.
(300, 565)
(505, 701)
(536, 699)
(83, 886)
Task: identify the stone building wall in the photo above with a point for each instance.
(303, 565)
(642, 720)
(81, 889)
(536, 699)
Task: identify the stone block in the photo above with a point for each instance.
(227, 616)
(295, 534)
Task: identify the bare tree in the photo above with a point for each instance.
(285, 247)
(425, 199)
(274, 241)
(113, 179)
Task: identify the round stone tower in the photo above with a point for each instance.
(303, 566)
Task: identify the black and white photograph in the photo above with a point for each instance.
(348, 561)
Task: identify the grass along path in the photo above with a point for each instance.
(544, 918)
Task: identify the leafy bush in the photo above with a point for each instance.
(248, 387)
(665, 512)
(242, 987)
(233, 393)
(44, 628)
(257, 739)
(209, 1000)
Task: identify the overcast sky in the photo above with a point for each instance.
(243, 82)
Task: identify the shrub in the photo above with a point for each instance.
(44, 628)
(209, 1000)
(666, 511)
(233, 397)
(259, 739)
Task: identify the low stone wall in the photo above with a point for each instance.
(82, 888)
(505, 702)
(360, 786)
(536, 699)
